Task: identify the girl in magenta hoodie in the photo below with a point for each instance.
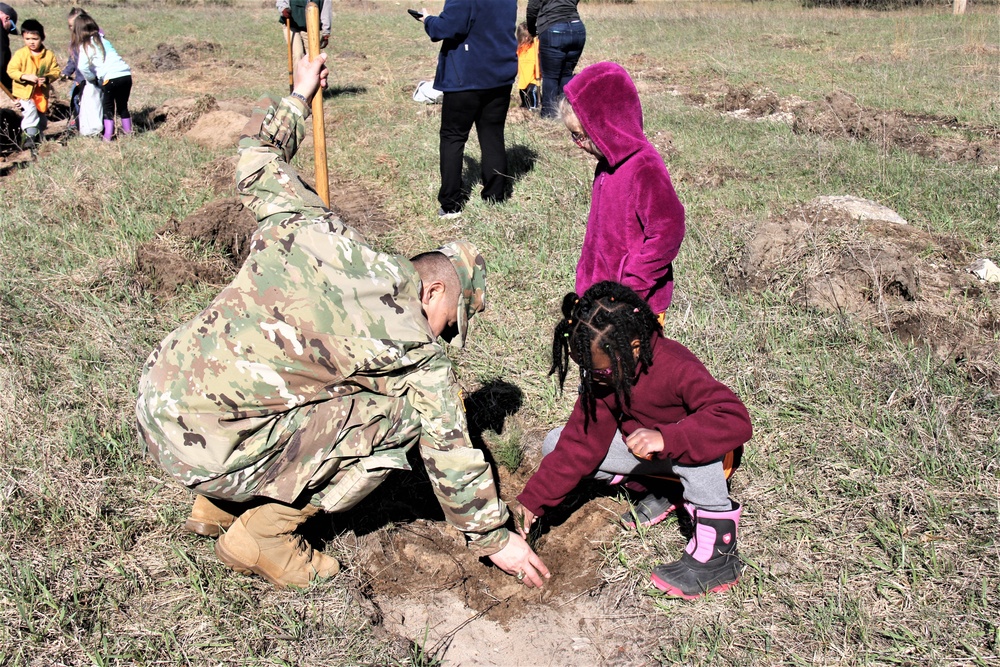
(636, 221)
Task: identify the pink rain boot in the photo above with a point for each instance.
(109, 129)
(127, 125)
(711, 563)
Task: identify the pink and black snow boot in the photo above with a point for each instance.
(711, 563)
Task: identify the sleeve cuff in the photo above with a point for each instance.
(299, 104)
(487, 544)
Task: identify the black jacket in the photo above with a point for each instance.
(545, 13)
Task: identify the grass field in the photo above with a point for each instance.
(871, 488)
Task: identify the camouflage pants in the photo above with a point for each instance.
(334, 452)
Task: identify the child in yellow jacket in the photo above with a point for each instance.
(31, 68)
(529, 74)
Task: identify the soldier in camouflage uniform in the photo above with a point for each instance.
(310, 376)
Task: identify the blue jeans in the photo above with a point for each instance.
(559, 50)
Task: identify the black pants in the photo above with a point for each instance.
(487, 109)
(116, 94)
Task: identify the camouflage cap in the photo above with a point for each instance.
(471, 270)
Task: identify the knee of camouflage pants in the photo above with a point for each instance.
(349, 487)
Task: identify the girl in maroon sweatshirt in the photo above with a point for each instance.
(648, 408)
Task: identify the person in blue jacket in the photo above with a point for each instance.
(476, 69)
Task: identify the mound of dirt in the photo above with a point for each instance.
(217, 129)
(167, 57)
(870, 266)
(757, 102)
(177, 116)
(840, 115)
(169, 260)
(405, 550)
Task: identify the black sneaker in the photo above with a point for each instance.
(649, 511)
(448, 215)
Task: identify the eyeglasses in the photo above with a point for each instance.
(600, 373)
(578, 137)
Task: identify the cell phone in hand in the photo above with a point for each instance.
(415, 14)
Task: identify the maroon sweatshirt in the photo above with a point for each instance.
(700, 418)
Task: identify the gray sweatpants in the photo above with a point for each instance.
(704, 485)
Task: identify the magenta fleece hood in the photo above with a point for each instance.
(607, 104)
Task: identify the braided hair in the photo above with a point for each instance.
(613, 316)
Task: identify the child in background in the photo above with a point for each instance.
(529, 74)
(636, 221)
(72, 73)
(101, 64)
(31, 68)
(647, 408)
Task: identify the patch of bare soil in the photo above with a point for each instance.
(202, 119)
(177, 116)
(218, 129)
(357, 207)
(428, 586)
(840, 115)
(170, 260)
(900, 279)
(167, 57)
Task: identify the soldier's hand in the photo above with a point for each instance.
(309, 76)
(286, 13)
(520, 561)
(323, 41)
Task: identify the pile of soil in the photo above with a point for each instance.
(169, 260)
(840, 115)
(177, 116)
(167, 57)
(405, 549)
(869, 266)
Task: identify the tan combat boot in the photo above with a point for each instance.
(208, 518)
(261, 541)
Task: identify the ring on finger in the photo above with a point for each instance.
(520, 575)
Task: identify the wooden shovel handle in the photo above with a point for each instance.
(319, 128)
(291, 65)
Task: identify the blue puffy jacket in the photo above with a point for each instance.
(479, 49)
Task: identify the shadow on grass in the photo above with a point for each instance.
(342, 91)
(520, 161)
(148, 118)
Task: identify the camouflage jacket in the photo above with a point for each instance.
(313, 313)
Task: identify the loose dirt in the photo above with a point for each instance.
(168, 57)
(418, 572)
(171, 260)
(900, 279)
(839, 116)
